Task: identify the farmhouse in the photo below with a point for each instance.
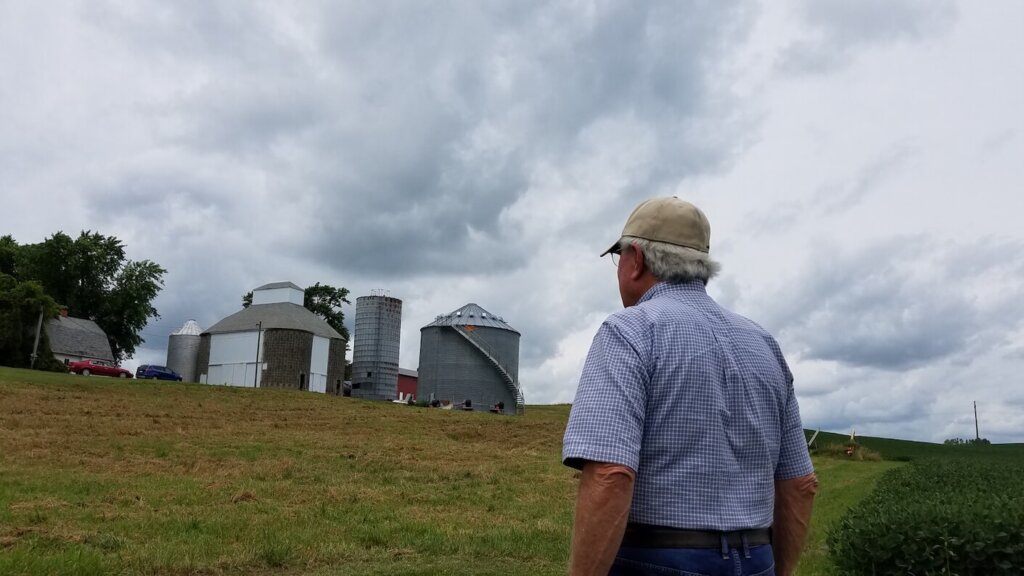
(275, 342)
(73, 339)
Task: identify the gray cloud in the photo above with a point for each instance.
(878, 307)
(837, 30)
(832, 199)
(489, 151)
(998, 141)
(414, 139)
(837, 196)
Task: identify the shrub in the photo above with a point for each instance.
(960, 517)
(848, 451)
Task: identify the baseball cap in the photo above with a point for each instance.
(669, 220)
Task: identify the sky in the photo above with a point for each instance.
(860, 164)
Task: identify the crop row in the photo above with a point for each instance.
(956, 516)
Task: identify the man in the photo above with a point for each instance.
(685, 424)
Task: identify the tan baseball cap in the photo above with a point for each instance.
(669, 220)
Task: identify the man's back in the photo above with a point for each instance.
(685, 423)
(717, 400)
(707, 397)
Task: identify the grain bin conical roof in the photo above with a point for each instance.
(190, 328)
(471, 315)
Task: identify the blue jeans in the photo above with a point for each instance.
(752, 561)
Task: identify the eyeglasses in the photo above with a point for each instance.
(615, 256)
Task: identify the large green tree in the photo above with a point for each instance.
(323, 300)
(21, 303)
(9, 256)
(93, 278)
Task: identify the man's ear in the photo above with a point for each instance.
(637, 266)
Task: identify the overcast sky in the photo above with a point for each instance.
(861, 164)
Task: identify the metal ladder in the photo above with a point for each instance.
(510, 382)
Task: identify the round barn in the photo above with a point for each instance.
(275, 342)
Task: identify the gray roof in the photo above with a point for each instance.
(408, 372)
(78, 337)
(281, 315)
(471, 315)
(274, 285)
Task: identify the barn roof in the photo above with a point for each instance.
(78, 337)
(279, 315)
(275, 285)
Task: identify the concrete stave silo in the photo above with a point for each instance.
(470, 354)
(377, 339)
(183, 350)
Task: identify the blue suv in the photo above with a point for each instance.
(154, 372)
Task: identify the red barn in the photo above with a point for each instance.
(407, 383)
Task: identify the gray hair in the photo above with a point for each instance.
(671, 263)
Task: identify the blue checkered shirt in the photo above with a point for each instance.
(699, 402)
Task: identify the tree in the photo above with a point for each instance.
(76, 272)
(969, 442)
(93, 278)
(129, 306)
(323, 300)
(20, 306)
(8, 256)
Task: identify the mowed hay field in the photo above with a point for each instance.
(102, 476)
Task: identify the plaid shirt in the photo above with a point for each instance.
(699, 401)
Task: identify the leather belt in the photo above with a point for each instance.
(646, 536)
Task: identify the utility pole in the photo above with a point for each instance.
(977, 436)
(256, 373)
(35, 347)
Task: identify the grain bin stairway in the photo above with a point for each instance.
(510, 382)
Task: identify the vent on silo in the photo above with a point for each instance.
(377, 339)
(183, 350)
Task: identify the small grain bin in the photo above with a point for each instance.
(470, 354)
(183, 350)
(378, 333)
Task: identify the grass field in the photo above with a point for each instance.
(100, 476)
(905, 450)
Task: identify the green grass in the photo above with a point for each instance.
(104, 476)
(907, 450)
(101, 476)
(842, 483)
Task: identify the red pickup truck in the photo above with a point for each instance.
(99, 368)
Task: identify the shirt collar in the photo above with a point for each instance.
(665, 288)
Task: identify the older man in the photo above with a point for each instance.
(685, 423)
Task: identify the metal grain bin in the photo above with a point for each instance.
(183, 350)
(378, 333)
(470, 354)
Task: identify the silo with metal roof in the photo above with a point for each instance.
(378, 332)
(471, 354)
(183, 350)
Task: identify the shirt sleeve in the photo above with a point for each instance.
(606, 422)
(794, 460)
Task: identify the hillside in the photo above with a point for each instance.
(101, 476)
(906, 450)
